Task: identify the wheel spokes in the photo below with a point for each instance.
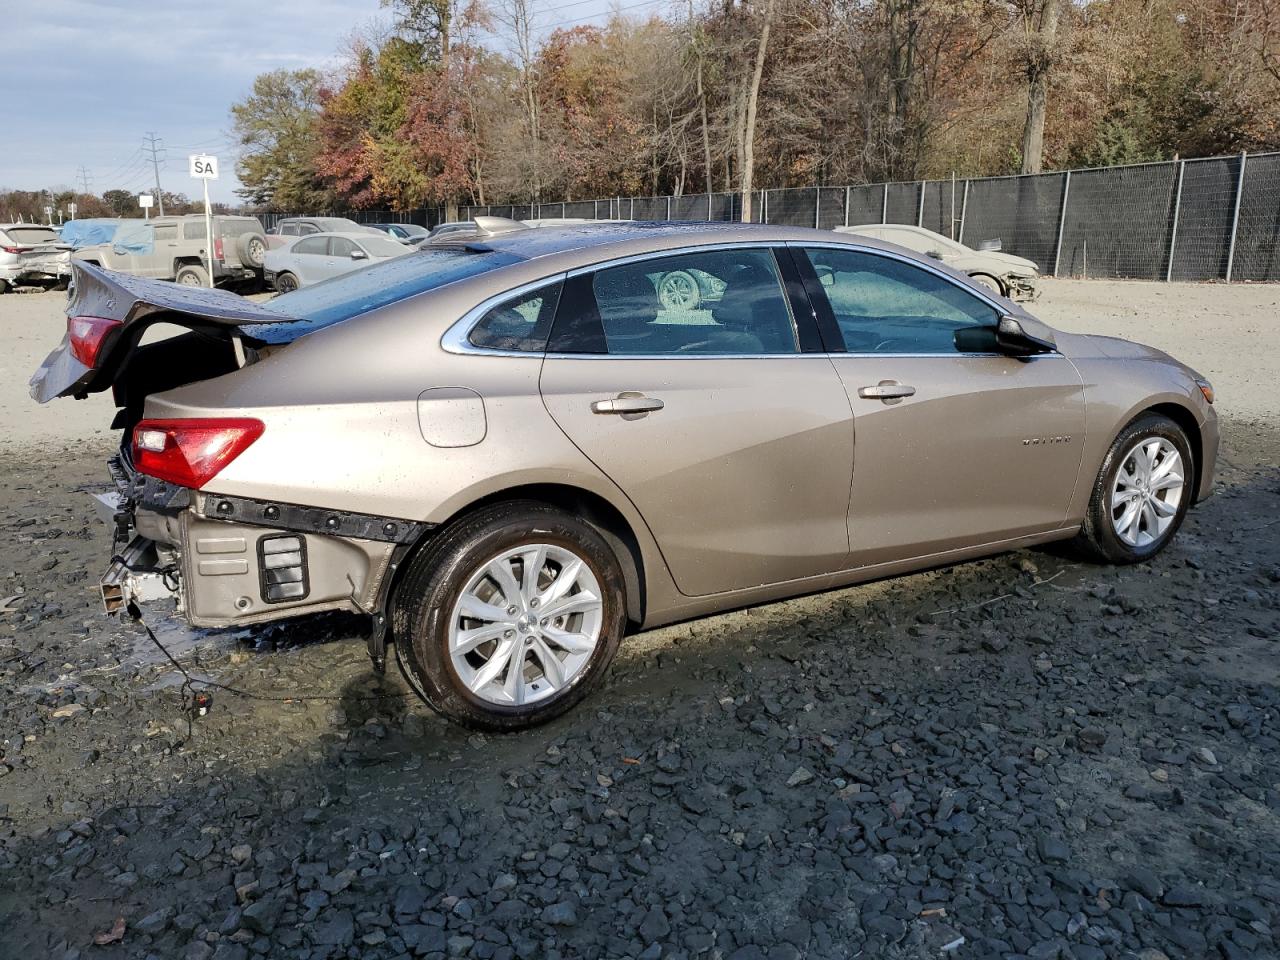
(468, 640)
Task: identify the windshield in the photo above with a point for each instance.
(383, 246)
(412, 229)
(360, 291)
(339, 225)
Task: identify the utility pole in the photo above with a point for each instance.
(83, 175)
(155, 147)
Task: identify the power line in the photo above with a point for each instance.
(155, 148)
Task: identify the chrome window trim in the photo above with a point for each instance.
(977, 294)
(457, 338)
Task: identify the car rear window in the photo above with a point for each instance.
(35, 234)
(234, 228)
(360, 291)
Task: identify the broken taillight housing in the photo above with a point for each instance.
(190, 453)
(217, 249)
(86, 336)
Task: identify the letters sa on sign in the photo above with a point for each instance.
(203, 167)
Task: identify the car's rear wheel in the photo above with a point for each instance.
(4, 286)
(286, 283)
(192, 276)
(510, 616)
(1141, 494)
(990, 282)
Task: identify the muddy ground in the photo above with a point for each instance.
(1023, 756)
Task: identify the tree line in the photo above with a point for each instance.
(29, 205)
(471, 101)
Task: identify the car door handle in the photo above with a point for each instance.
(890, 391)
(625, 403)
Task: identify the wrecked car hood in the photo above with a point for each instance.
(136, 303)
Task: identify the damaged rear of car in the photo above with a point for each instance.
(225, 557)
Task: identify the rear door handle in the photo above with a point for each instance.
(628, 403)
(890, 391)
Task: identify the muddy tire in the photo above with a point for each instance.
(510, 616)
(286, 283)
(990, 282)
(192, 276)
(1141, 494)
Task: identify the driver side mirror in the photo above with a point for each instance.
(1013, 340)
(359, 255)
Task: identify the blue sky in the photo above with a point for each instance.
(85, 80)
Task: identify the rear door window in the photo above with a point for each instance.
(714, 302)
(340, 247)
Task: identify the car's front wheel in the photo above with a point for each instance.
(510, 616)
(990, 282)
(1141, 494)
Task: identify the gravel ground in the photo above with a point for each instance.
(1023, 756)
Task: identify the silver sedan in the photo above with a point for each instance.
(322, 256)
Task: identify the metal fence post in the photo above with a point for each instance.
(708, 208)
(920, 207)
(846, 205)
(884, 205)
(1062, 222)
(964, 208)
(1177, 206)
(633, 209)
(1235, 217)
(668, 206)
(817, 208)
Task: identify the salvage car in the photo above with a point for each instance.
(1010, 276)
(32, 255)
(282, 231)
(407, 232)
(176, 248)
(509, 454)
(322, 256)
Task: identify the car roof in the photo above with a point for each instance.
(348, 234)
(593, 241)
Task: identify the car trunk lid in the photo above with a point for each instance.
(217, 319)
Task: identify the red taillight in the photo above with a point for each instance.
(14, 249)
(217, 249)
(190, 453)
(86, 335)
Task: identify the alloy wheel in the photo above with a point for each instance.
(1147, 492)
(526, 624)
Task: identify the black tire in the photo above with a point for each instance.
(4, 286)
(425, 599)
(286, 283)
(1098, 539)
(192, 275)
(252, 249)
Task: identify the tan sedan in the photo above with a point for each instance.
(511, 453)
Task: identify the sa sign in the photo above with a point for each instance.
(203, 167)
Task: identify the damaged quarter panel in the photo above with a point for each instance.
(347, 409)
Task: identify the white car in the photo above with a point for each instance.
(1010, 276)
(31, 253)
(322, 256)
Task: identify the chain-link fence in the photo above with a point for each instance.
(1208, 219)
(1216, 218)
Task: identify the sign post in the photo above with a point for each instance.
(204, 167)
(146, 201)
(48, 214)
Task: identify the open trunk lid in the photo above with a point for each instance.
(217, 317)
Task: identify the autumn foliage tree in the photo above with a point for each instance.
(460, 103)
